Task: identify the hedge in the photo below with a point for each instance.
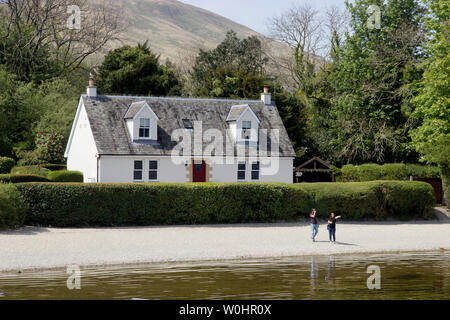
(12, 209)
(19, 178)
(390, 171)
(6, 164)
(65, 176)
(30, 170)
(74, 205)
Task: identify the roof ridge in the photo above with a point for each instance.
(175, 98)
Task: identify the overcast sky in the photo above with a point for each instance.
(254, 13)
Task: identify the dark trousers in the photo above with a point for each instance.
(332, 233)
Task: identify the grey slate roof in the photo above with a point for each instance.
(236, 111)
(134, 109)
(106, 116)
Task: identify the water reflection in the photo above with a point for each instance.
(404, 276)
(314, 276)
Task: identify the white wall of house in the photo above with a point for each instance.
(82, 151)
(120, 169)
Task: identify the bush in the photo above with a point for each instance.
(30, 170)
(389, 171)
(12, 208)
(6, 164)
(65, 176)
(19, 178)
(71, 205)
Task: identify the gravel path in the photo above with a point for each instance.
(31, 248)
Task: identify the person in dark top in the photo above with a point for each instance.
(314, 224)
(332, 227)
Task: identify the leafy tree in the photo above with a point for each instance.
(365, 99)
(227, 82)
(136, 70)
(50, 147)
(294, 112)
(232, 53)
(432, 138)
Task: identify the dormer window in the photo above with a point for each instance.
(144, 128)
(243, 124)
(246, 130)
(141, 122)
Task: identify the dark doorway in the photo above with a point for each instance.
(198, 171)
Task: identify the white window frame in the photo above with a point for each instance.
(252, 170)
(157, 170)
(245, 171)
(144, 127)
(141, 170)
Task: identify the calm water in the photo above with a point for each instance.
(403, 276)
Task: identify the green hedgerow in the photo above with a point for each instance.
(65, 176)
(73, 204)
(6, 164)
(21, 178)
(12, 208)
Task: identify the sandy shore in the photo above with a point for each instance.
(31, 248)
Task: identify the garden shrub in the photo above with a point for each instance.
(27, 170)
(6, 164)
(74, 204)
(65, 176)
(12, 208)
(20, 178)
(389, 171)
(406, 200)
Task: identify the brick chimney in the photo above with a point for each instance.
(92, 89)
(266, 96)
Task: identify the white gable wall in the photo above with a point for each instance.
(82, 151)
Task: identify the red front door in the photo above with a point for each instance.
(198, 171)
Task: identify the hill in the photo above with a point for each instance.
(172, 26)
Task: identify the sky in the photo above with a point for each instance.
(254, 13)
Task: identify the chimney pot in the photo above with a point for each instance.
(266, 96)
(92, 89)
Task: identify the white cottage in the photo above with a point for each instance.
(152, 139)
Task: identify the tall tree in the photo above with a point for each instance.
(136, 70)
(369, 110)
(232, 53)
(432, 138)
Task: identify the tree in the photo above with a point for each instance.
(432, 138)
(226, 82)
(37, 40)
(136, 70)
(369, 108)
(233, 53)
